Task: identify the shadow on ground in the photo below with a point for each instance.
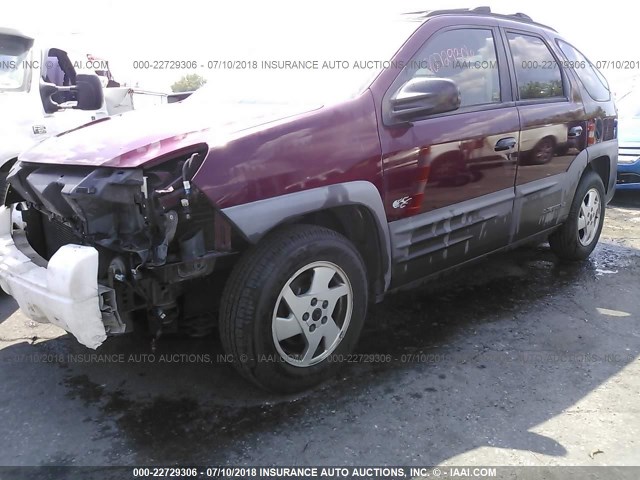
(477, 361)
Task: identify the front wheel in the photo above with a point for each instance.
(293, 308)
(578, 236)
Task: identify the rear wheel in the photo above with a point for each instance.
(293, 307)
(578, 236)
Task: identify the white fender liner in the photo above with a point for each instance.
(65, 293)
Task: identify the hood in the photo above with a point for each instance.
(135, 138)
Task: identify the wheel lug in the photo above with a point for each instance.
(312, 328)
(324, 320)
(314, 301)
(305, 317)
(325, 304)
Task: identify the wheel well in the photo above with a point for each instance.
(6, 166)
(357, 224)
(602, 166)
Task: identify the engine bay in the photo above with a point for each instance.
(158, 237)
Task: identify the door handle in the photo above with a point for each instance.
(575, 132)
(505, 144)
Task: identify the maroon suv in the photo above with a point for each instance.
(280, 221)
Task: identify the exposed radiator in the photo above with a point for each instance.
(56, 235)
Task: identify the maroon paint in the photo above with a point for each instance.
(262, 152)
(327, 146)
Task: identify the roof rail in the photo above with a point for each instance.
(521, 17)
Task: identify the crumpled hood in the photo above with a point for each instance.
(135, 138)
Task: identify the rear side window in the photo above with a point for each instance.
(537, 71)
(468, 57)
(593, 81)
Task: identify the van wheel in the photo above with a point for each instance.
(578, 236)
(293, 308)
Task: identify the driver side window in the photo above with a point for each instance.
(53, 72)
(59, 70)
(468, 57)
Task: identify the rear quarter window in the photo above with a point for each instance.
(594, 82)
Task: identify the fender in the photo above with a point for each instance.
(571, 178)
(8, 158)
(607, 149)
(255, 219)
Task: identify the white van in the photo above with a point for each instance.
(46, 90)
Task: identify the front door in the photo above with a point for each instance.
(450, 177)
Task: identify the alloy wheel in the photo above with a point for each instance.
(312, 314)
(589, 217)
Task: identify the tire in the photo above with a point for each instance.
(4, 186)
(271, 308)
(578, 236)
(3, 193)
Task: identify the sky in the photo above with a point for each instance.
(124, 32)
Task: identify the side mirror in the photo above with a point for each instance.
(46, 90)
(89, 92)
(422, 96)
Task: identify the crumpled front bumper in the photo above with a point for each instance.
(64, 293)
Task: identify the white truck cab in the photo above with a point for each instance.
(45, 90)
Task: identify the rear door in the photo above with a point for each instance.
(553, 130)
(450, 177)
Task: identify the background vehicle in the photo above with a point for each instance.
(36, 97)
(628, 177)
(282, 217)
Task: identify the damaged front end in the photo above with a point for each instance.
(157, 238)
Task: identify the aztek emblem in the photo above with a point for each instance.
(402, 202)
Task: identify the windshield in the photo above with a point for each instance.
(14, 68)
(312, 65)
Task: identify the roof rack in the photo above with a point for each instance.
(521, 17)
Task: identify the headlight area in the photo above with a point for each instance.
(158, 237)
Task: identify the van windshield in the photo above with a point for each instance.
(14, 62)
